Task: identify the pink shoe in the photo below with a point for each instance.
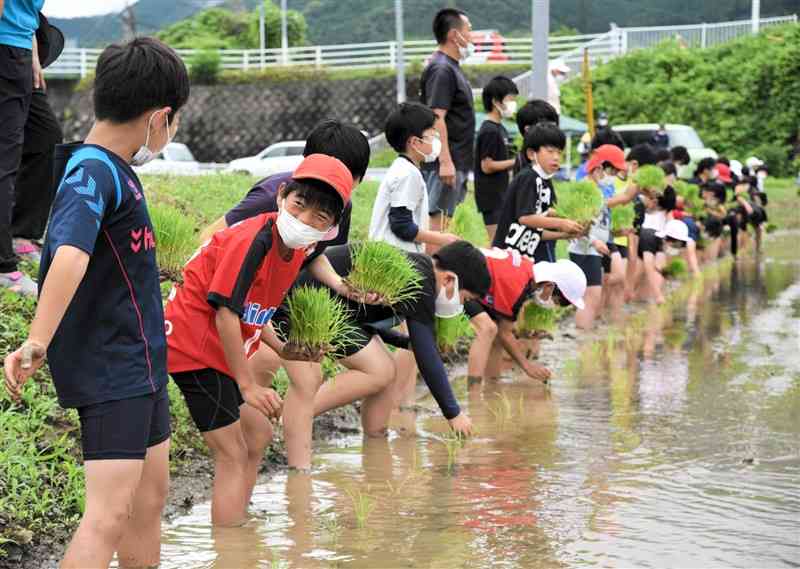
(27, 250)
(19, 282)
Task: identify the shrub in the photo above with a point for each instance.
(205, 67)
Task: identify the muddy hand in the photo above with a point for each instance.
(21, 365)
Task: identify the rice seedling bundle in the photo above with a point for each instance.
(536, 319)
(579, 201)
(450, 330)
(467, 223)
(676, 268)
(385, 271)
(622, 217)
(650, 178)
(319, 324)
(175, 239)
(692, 202)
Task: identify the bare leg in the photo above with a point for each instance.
(654, 279)
(479, 352)
(495, 364)
(616, 287)
(141, 541)
(110, 491)
(584, 319)
(298, 411)
(230, 494)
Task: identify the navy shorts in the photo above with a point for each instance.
(212, 397)
(126, 428)
(592, 267)
(443, 198)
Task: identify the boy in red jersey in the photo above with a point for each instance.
(515, 280)
(215, 320)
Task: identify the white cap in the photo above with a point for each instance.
(566, 275)
(559, 66)
(753, 163)
(675, 229)
(736, 168)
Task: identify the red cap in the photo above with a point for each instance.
(724, 173)
(326, 169)
(607, 153)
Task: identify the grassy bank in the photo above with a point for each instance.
(41, 481)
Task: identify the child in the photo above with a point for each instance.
(455, 274)
(492, 162)
(400, 213)
(606, 163)
(524, 220)
(532, 113)
(100, 319)
(515, 280)
(215, 320)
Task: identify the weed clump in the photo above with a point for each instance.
(383, 270)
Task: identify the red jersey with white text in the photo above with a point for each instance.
(241, 269)
(512, 280)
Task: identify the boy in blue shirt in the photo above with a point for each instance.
(100, 319)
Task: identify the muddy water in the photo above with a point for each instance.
(673, 441)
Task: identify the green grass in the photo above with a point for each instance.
(579, 201)
(176, 238)
(363, 199)
(382, 158)
(468, 224)
(318, 322)
(380, 268)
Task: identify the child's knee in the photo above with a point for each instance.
(233, 454)
(485, 330)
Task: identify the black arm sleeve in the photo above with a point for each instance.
(423, 344)
(401, 222)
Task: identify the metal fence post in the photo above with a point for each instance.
(318, 56)
(245, 60)
(703, 35)
(624, 33)
(83, 63)
(393, 54)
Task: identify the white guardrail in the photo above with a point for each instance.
(78, 62)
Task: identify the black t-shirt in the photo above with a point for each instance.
(444, 86)
(263, 198)
(419, 315)
(490, 188)
(528, 194)
(521, 162)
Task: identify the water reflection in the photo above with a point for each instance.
(671, 441)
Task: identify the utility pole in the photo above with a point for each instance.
(755, 15)
(400, 64)
(284, 34)
(128, 18)
(540, 29)
(262, 35)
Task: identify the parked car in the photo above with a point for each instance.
(176, 159)
(276, 158)
(679, 135)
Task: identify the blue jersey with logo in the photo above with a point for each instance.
(19, 22)
(110, 344)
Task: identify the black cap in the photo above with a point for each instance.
(49, 40)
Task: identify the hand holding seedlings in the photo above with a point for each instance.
(461, 424)
(21, 365)
(264, 399)
(601, 247)
(537, 372)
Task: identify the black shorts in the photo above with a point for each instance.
(126, 428)
(491, 217)
(212, 397)
(649, 243)
(592, 267)
(621, 249)
(713, 227)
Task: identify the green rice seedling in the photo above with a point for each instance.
(676, 268)
(535, 320)
(692, 202)
(362, 506)
(318, 324)
(622, 217)
(450, 330)
(771, 227)
(579, 201)
(277, 562)
(330, 525)
(453, 444)
(650, 178)
(175, 238)
(468, 224)
(383, 270)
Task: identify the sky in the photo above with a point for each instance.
(78, 8)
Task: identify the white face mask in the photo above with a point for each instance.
(448, 307)
(144, 154)
(436, 150)
(295, 233)
(539, 170)
(549, 303)
(467, 51)
(508, 110)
